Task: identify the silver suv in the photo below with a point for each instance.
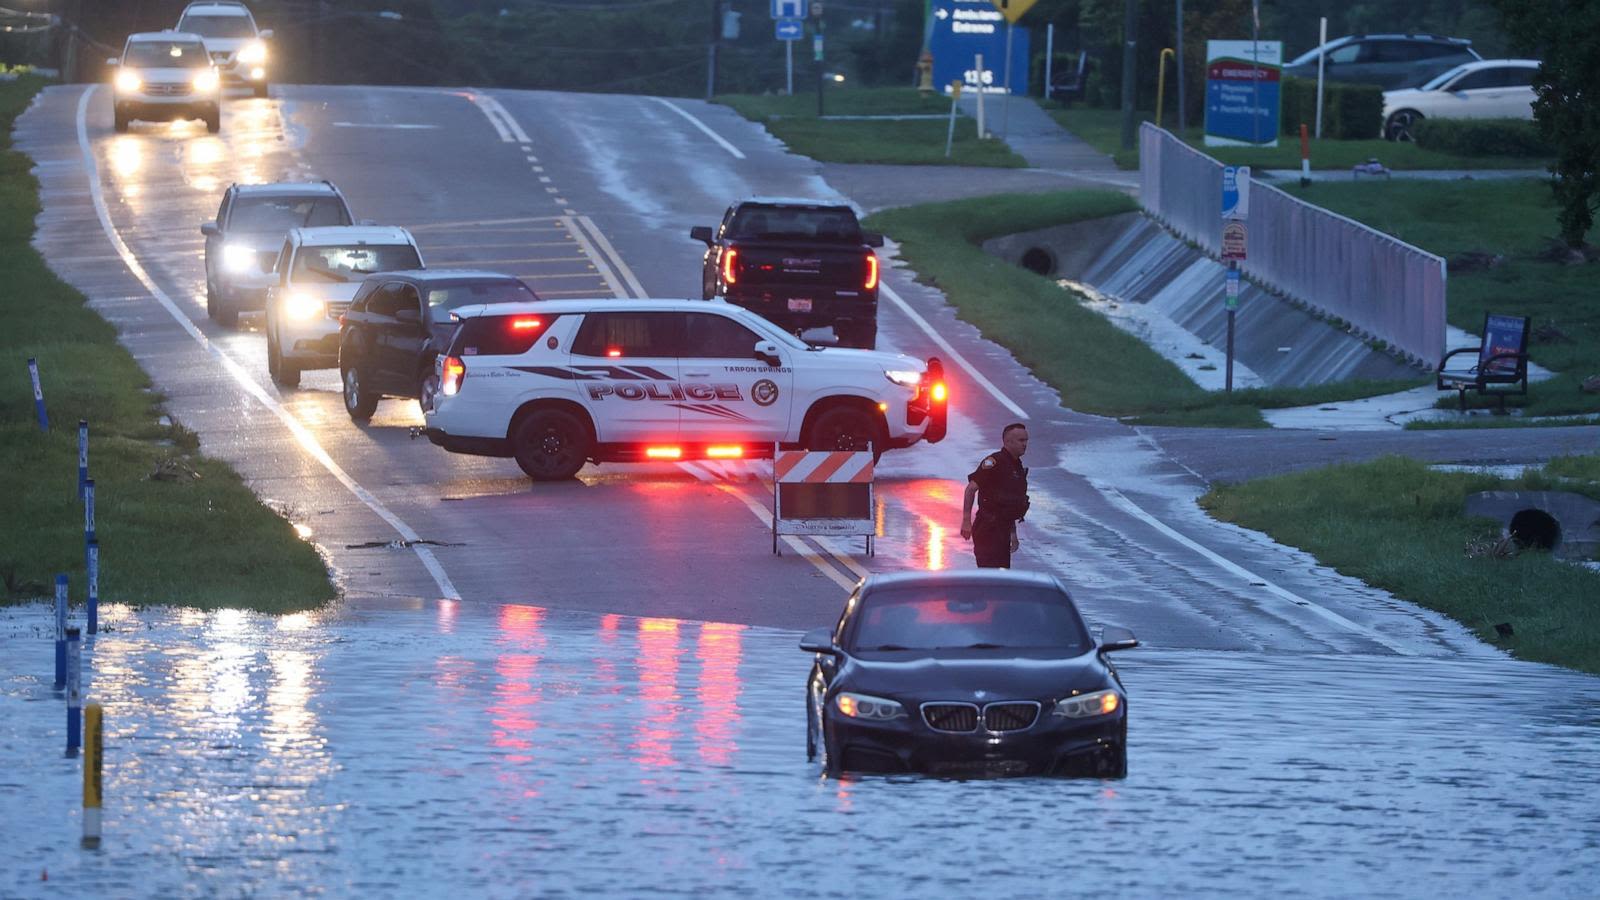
(165, 75)
(242, 244)
(237, 47)
(1391, 61)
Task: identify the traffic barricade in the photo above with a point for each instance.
(822, 493)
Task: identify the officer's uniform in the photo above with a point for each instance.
(1002, 500)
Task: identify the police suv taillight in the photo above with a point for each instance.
(451, 373)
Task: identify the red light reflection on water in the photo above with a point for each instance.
(659, 653)
(719, 651)
(517, 693)
(447, 616)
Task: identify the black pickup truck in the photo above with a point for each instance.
(799, 263)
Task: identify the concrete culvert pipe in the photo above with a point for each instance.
(1535, 528)
(1039, 261)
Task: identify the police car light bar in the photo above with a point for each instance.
(663, 452)
(716, 452)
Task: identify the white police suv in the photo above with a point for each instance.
(559, 383)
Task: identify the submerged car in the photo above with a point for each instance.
(399, 323)
(1487, 89)
(319, 271)
(164, 76)
(976, 672)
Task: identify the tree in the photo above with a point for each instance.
(1566, 36)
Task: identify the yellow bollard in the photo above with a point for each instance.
(1161, 79)
(92, 747)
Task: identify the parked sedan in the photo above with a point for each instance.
(398, 323)
(1486, 89)
(966, 672)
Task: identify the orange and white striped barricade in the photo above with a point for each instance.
(822, 493)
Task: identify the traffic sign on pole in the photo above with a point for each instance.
(1013, 9)
(789, 29)
(790, 9)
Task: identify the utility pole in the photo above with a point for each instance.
(816, 10)
(711, 48)
(1130, 30)
(1183, 122)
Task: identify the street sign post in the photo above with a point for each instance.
(1234, 241)
(789, 29)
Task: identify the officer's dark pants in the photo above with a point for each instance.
(991, 543)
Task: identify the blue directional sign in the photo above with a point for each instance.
(790, 9)
(789, 29)
(962, 29)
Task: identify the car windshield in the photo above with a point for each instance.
(351, 262)
(217, 26)
(836, 224)
(976, 616)
(279, 214)
(166, 55)
(454, 296)
(1440, 80)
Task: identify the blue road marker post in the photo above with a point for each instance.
(38, 394)
(94, 587)
(74, 692)
(83, 455)
(88, 518)
(61, 632)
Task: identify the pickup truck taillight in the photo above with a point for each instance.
(871, 281)
(730, 266)
(451, 373)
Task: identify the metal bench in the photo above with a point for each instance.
(1501, 366)
(1067, 88)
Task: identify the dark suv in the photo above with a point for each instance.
(1390, 61)
(397, 324)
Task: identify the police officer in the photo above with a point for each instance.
(1000, 484)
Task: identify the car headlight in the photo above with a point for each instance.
(1084, 706)
(865, 706)
(904, 378)
(238, 258)
(303, 306)
(206, 81)
(128, 81)
(254, 53)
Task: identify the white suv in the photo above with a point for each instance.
(243, 242)
(165, 75)
(319, 271)
(237, 48)
(558, 383)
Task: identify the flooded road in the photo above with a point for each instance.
(518, 751)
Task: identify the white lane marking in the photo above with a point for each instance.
(594, 255)
(1227, 565)
(396, 125)
(700, 125)
(479, 101)
(611, 251)
(306, 439)
(960, 360)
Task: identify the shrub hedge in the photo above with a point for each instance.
(1482, 137)
(1349, 111)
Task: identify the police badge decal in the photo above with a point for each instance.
(764, 392)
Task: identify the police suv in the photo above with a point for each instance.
(559, 383)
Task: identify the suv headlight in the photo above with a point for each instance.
(905, 379)
(206, 81)
(128, 81)
(865, 706)
(254, 53)
(238, 258)
(303, 306)
(1084, 706)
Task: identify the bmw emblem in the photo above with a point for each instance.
(764, 392)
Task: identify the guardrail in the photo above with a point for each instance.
(1384, 287)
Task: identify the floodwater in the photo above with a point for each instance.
(515, 751)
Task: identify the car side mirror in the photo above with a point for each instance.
(767, 352)
(872, 239)
(702, 233)
(210, 229)
(819, 640)
(113, 61)
(1115, 637)
(407, 314)
(265, 34)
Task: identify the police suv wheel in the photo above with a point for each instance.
(359, 403)
(842, 428)
(551, 445)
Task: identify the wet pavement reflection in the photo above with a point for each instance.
(517, 751)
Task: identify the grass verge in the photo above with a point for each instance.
(1102, 129)
(175, 527)
(1097, 367)
(918, 142)
(1514, 220)
(1398, 525)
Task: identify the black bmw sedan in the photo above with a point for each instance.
(974, 672)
